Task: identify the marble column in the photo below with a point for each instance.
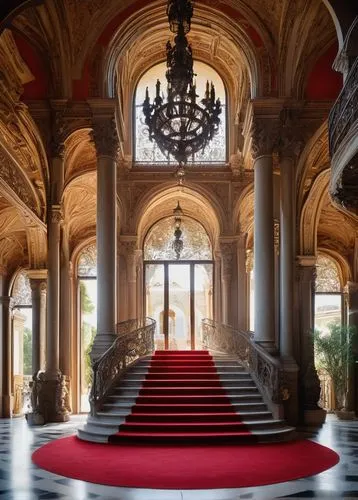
(242, 282)
(227, 273)
(287, 228)
(309, 384)
(49, 387)
(106, 142)
(66, 315)
(131, 257)
(5, 310)
(263, 140)
(38, 283)
(217, 288)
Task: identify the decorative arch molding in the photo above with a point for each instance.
(16, 185)
(244, 210)
(76, 253)
(313, 160)
(80, 154)
(80, 219)
(160, 203)
(343, 267)
(310, 214)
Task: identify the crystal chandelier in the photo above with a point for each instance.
(178, 242)
(178, 123)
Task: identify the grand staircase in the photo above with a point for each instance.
(185, 397)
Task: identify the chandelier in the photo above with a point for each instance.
(178, 123)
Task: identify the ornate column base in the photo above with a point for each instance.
(313, 415)
(101, 343)
(289, 390)
(49, 395)
(269, 346)
(6, 406)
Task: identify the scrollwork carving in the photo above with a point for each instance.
(14, 179)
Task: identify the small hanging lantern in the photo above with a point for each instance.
(178, 242)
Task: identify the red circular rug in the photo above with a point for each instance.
(184, 467)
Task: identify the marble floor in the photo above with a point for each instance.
(20, 479)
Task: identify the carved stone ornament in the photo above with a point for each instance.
(290, 141)
(264, 132)
(48, 399)
(105, 137)
(15, 180)
(56, 215)
(227, 257)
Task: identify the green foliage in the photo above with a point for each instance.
(333, 353)
(27, 351)
(88, 333)
(87, 306)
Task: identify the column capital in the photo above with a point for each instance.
(264, 134)
(290, 138)
(105, 136)
(56, 214)
(228, 251)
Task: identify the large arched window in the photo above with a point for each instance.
(21, 341)
(328, 296)
(147, 152)
(87, 293)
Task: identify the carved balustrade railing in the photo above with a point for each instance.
(265, 369)
(345, 110)
(135, 338)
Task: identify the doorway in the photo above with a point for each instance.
(178, 295)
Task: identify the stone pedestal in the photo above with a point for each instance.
(48, 399)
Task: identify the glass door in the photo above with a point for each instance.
(179, 307)
(178, 295)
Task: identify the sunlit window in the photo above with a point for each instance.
(146, 151)
(22, 342)
(87, 293)
(159, 242)
(328, 297)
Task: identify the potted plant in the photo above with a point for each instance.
(333, 355)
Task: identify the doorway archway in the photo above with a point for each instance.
(178, 289)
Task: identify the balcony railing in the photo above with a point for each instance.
(345, 111)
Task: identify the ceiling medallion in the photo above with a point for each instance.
(178, 123)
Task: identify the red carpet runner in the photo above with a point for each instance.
(182, 400)
(183, 467)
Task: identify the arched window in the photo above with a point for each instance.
(159, 241)
(21, 341)
(328, 296)
(87, 294)
(146, 151)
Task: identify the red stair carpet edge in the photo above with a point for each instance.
(183, 467)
